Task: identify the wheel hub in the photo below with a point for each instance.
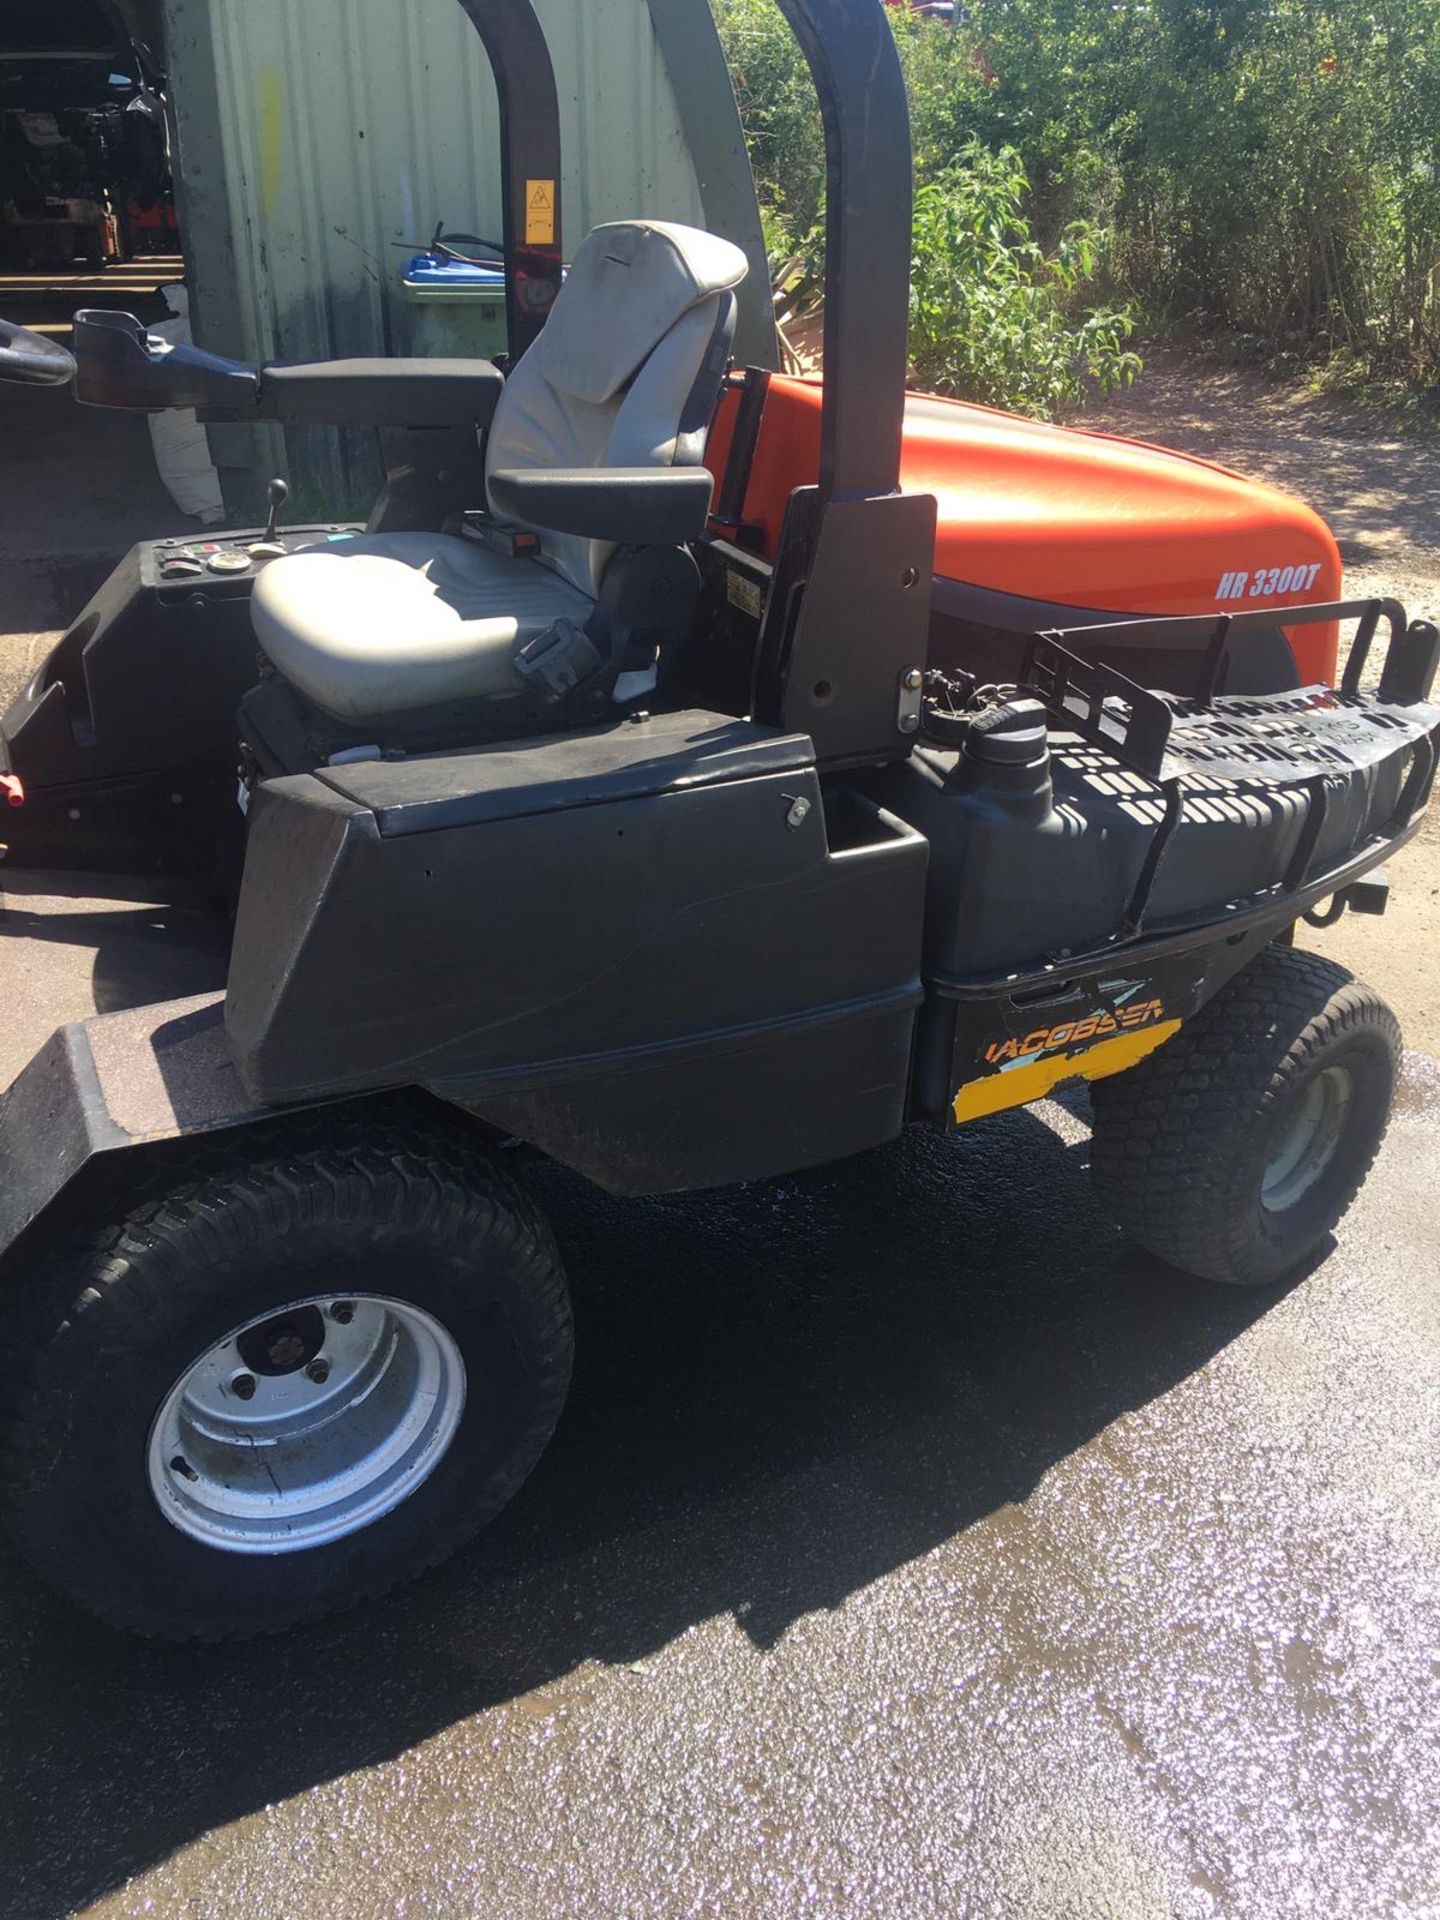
(283, 1343)
(303, 1426)
(1308, 1143)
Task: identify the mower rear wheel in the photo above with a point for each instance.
(1234, 1150)
(284, 1384)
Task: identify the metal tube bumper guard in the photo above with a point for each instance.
(1342, 778)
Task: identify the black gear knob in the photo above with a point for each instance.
(277, 493)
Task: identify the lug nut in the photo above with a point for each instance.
(243, 1386)
(319, 1371)
(343, 1311)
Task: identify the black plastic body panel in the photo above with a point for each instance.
(656, 754)
(149, 673)
(745, 1105)
(119, 1080)
(125, 739)
(963, 1033)
(593, 957)
(147, 676)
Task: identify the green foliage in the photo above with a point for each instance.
(781, 118)
(1267, 168)
(991, 313)
(1275, 163)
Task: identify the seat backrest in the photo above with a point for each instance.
(627, 368)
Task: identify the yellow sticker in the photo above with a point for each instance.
(1033, 1079)
(539, 213)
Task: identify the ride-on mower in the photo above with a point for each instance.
(689, 774)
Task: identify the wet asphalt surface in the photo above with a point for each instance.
(911, 1546)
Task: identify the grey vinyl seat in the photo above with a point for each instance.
(624, 374)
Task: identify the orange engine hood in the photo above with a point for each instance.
(1074, 518)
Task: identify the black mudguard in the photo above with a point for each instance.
(116, 1081)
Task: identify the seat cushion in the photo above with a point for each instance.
(630, 282)
(380, 623)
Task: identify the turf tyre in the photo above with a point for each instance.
(1184, 1142)
(107, 1326)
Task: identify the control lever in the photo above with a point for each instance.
(277, 493)
(270, 546)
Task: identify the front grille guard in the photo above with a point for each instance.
(1138, 727)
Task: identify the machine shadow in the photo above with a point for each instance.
(783, 1393)
(137, 955)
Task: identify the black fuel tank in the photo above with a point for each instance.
(1037, 841)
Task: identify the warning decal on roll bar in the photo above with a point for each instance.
(539, 213)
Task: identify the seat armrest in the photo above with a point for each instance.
(635, 506)
(381, 393)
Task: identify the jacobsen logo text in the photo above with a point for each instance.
(1073, 1033)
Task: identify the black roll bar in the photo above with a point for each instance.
(847, 616)
(851, 54)
(529, 161)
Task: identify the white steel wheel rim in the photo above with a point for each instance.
(1308, 1143)
(354, 1403)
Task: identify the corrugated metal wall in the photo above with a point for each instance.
(319, 140)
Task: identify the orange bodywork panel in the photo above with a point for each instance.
(1075, 518)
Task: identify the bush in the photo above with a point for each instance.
(1274, 165)
(1263, 167)
(781, 118)
(991, 313)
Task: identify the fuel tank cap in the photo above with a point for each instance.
(1013, 734)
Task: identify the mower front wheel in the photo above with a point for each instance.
(1234, 1150)
(284, 1384)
